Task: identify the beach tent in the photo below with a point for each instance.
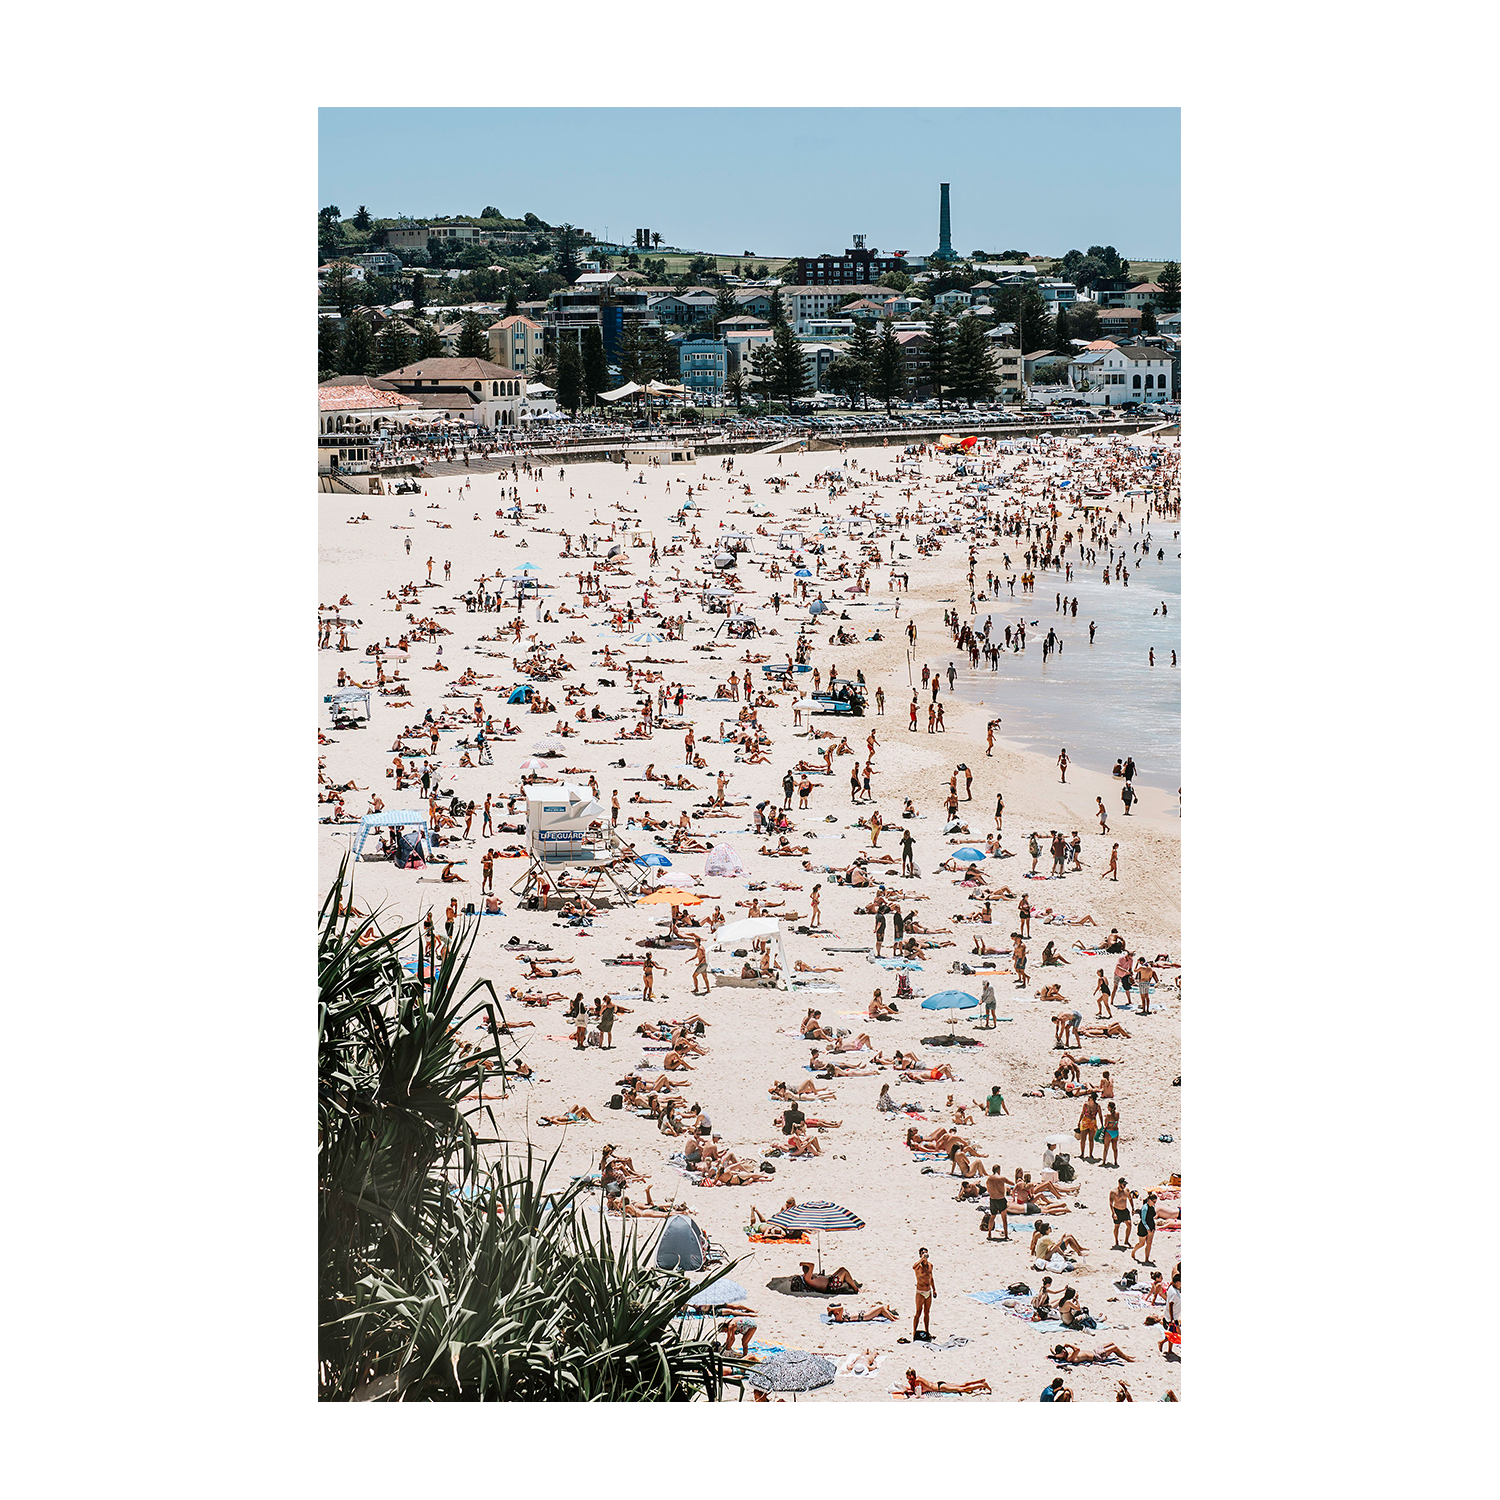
(521, 694)
(341, 703)
(742, 934)
(722, 861)
(683, 1246)
(415, 822)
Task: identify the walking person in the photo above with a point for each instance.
(1062, 763)
(1103, 815)
(1114, 862)
(1145, 1232)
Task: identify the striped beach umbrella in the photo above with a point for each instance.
(817, 1214)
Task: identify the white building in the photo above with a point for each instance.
(472, 390)
(804, 303)
(1109, 375)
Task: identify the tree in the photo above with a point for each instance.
(778, 311)
(974, 375)
(763, 367)
(1062, 331)
(725, 307)
(595, 371)
(330, 341)
(845, 377)
(329, 215)
(567, 251)
(545, 369)
(429, 344)
(396, 345)
(655, 240)
(487, 212)
(1148, 319)
(1027, 309)
(940, 346)
(734, 388)
(1083, 320)
(339, 289)
(631, 351)
(472, 340)
(569, 377)
(889, 384)
(789, 376)
(357, 353)
(863, 349)
(1169, 279)
(418, 293)
(898, 281)
(510, 302)
(362, 218)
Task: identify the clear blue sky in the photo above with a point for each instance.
(777, 181)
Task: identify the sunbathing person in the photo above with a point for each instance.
(538, 972)
(983, 948)
(861, 1043)
(839, 1070)
(799, 1145)
(779, 1090)
(966, 1166)
(930, 1075)
(1113, 1029)
(917, 1387)
(881, 1312)
(572, 1117)
(806, 968)
(834, 1282)
(1071, 1354)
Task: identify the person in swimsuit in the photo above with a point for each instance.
(1088, 1123)
(926, 1291)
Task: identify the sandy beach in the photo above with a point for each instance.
(752, 1034)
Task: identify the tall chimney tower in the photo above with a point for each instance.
(944, 250)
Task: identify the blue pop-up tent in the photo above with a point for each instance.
(416, 822)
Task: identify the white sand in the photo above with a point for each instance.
(865, 1166)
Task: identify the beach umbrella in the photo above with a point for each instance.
(646, 638)
(664, 896)
(969, 855)
(950, 1000)
(531, 763)
(717, 1293)
(528, 568)
(792, 1371)
(655, 861)
(803, 573)
(819, 1214)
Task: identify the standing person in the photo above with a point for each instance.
(648, 978)
(1130, 768)
(926, 1291)
(987, 999)
(995, 1185)
(1062, 763)
(614, 807)
(1102, 1010)
(908, 853)
(1123, 966)
(607, 1024)
(879, 926)
(1111, 1133)
(487, 827)
(912, 727)
(788, 786)
(1121, 1200)
(880, 701)
(952, 676)
(1018, 962)
(999, 811)
(1023, 914)
(1128, 796)
(1034, 849)
(450, 916)
(487, 865)
(968, 783)
(699, 961)
(1112, 873)
(1146, 1231)
(1088, 1123)
(854, 782)
(817, 905)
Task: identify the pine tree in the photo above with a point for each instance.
(510, 302)
(418, 293)
(778, 312)
(569, 377)
(863, 348)
(396, 346)
(630, 351)
(890, 367)
(763, 367)
(1083, 321)
(974, 375)
(1148, 319)
(940, 346)
(789, 378)
(1169, 279)
(330, 341)
(472, 341)
(1061, 329)
(429, 344)
(725, 307)
(357, 354)
(595, 371)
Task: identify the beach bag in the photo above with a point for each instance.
(987, 1222)
(617, 1101)
(1099, 1134)
(1064, 1169)
(1019, 1289)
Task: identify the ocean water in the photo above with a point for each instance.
(1102, 701)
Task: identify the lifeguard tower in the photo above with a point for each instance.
(571, 846)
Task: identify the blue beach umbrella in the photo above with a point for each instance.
(716, 1293)
(656, 862)
(803, 573)
(950, 1000)
(968, 855)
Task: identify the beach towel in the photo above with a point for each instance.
(929, 1156)
(991, 1299)
(847, 1363)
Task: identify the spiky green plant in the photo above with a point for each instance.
(439, 1278)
